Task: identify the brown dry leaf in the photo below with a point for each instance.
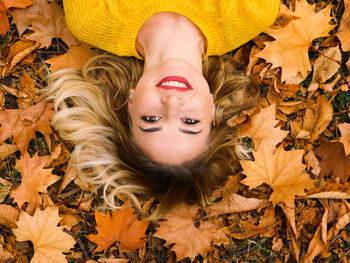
(35, 179)
(50, 24)
(18, 51)
(4, 6)
(6, 150)
(181, 230)
(122, 225)
(330, 191)
(76, 57)
(344, 28)
(333, 160)
(345, 136)
(342, 220)
(283, 171)
(8, 215)
(69, 175)
(268, 221)
(243, 230)
(290, 49)
(262, 130)
(316, 246)
(59, 156)
(49, 240)
(289, 212)
(313, 165)
(326, 65)
(234, 203)
(69, 216)
(316, 119)
(23, 123)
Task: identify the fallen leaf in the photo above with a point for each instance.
(49, 240)
(4, 6)
(6, 150)
(316, 119)
(234, 203)
(326, 65)
(35, 179)
(283, 171)
(289, 212)
(8, 215)
(23, 123)
(122, 225)
(59, 156)
(312, 163)
(345, 136)
(243, 230)
(262, 130)
(343, 30)
(330, 191)
(333, 160)
(290, 49)
(342, 220)
(316, 246)
(50, 24)
(179, 228)
(76, 57)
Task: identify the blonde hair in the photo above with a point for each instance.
(91, 112)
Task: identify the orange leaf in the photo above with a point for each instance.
(180, 229)
(49, 24)
(122, 225)
(283, 171)
(262, 130)
(22, 123)
(76, 57)
(345, 136)
(35, 179)
(4, 6)
(343, 31)
(290, 49)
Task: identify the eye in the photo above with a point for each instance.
(190, 121)
(150, 118)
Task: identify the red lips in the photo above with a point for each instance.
(174, 78)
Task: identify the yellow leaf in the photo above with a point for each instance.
(290, 49)
(262, 130)
(283, 171)
(49, 240)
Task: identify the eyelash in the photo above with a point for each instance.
(152, 119)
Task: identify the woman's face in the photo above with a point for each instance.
(171, 111)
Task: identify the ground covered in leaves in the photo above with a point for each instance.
(287, 204)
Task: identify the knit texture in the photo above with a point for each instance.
(112, 25)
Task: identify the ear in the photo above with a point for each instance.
(131, 95)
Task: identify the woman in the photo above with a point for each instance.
(157, 127)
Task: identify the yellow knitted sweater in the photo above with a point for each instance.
(112, 25)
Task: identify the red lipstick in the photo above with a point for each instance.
(177, 79)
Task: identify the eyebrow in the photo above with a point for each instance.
(155, 129)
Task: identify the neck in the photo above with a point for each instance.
(167, 36)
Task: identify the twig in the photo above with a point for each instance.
(77, 239)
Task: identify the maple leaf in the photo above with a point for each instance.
(76, 57)
(49, 240)
(4, 6)
(333, 160)
(262, 130)
(345, 136)
(343, 30)
(22, 123)
(180, 229)
(122, 225)
(283, 171)
(35, 179)
(292, 42)
(50, 24)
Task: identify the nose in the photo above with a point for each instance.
(172, 103)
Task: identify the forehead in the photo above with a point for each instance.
(171, 147)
